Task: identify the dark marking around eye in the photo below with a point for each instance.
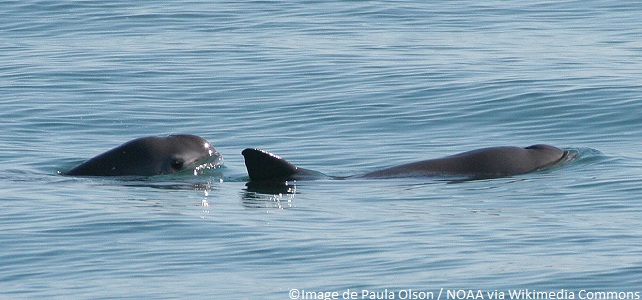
(177, 164)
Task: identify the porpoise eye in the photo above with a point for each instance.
(177, 164)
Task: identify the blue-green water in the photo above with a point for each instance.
(342, 87)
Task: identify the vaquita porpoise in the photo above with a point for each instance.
(481, 163)
(149, 156)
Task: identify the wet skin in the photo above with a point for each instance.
(481, 163)
(149, 156)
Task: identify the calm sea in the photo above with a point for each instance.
(342, 87)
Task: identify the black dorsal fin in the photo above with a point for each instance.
(262, 165)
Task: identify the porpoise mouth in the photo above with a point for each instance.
(215, 161)
(568, 155)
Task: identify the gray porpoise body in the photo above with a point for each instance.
(149, 156)
(481, 163)
(486, 162)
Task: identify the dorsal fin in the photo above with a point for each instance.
(263, 165)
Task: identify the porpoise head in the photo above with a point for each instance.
(547, 155)
(188, 152)
(150, 156)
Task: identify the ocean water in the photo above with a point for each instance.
(342, 87)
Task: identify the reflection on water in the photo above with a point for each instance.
(269, 194)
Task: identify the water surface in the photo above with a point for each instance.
(342, 87)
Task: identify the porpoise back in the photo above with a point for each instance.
(481, 163)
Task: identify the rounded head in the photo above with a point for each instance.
(548, 154)
(185, 151)
(150, 156)
(545, 147)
